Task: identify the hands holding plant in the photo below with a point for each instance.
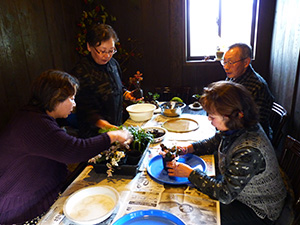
(170, 157)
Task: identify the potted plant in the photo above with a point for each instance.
(170, 154)
(153, 99)
(121, 158)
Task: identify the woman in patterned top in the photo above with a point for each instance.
(248, 182)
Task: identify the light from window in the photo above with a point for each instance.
(213, 24)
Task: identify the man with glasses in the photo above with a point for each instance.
(100, 97)
(238, 68)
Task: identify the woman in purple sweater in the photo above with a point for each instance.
(35, 150)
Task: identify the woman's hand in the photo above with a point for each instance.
(186, 149)
(181, 150)
(103, 124)
(129, 96)
(178, 169)
(122, 136)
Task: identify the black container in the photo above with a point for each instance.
(126, 167)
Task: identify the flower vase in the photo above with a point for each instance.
(138, 92)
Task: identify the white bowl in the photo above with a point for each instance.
(91, 205)
(141, 111)
(154, 130)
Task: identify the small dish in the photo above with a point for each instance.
(191, 106)
(158, 133)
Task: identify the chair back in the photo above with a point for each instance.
(290, 164)
(278, 119)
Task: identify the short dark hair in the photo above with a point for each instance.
(246, 50)
(100, 32)
(51, 88)
(232, 100)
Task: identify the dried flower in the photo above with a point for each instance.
(112, 157)
(136, 80)
(117, 151)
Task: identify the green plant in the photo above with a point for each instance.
(140, 138)
(152, 97)
(176, 99)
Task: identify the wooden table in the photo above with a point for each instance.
(142, 192)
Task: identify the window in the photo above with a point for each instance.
(216, 24)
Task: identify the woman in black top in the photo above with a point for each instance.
(99, 100)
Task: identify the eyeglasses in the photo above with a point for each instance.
(102, 52)
(230, 63)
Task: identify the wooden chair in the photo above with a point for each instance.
(278, 120)
(289, 163)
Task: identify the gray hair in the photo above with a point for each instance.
(246, 50)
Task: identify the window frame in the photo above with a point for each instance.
(253, 38)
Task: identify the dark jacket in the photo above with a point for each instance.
(261, 94)
(100, 95)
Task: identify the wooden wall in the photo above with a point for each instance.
(34, 36)
(285, 61)
(160, 24)
(39, 35)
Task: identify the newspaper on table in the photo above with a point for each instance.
(188, 204)
(142, 192)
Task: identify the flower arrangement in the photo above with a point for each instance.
(136, 80)
(115, 156)
(112, 157)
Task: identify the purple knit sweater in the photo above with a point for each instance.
(34, 152)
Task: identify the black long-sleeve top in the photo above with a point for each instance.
(100, 95)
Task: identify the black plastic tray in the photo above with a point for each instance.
(124, 169)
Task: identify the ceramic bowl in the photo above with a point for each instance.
(91, 205)
(172, 109)
(159, 133)
(141, 111)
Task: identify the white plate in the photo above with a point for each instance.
(91, 205)
(195, 108)
(181, 125)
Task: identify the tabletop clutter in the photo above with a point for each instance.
(117, 191)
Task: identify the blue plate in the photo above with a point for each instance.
(149, 217)
(156, 169)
